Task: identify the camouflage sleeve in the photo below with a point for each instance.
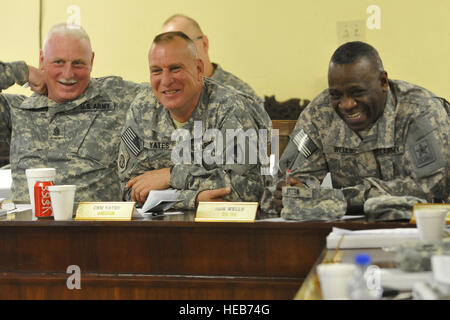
(11, 73)
(5, 130)
(5, 116)
(304, 153)
(187, 199)
(129, 90)
(128, 165)
(6, 102)
(244, 176)
(428, 152)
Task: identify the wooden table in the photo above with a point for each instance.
(169, 257)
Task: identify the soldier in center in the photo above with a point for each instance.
(181, 98)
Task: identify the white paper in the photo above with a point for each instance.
(21, 208)
(160, 201)
(400, 280)
(5, 183)
(373, 238)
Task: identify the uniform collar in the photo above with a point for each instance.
(200, 109)
(39, 101)
(161, 118)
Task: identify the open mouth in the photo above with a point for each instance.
(170, 92)
(355, 115)
(67, 83)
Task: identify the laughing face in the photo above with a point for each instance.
(357, 92)
(176, 76)
(66, 63)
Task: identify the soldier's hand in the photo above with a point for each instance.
(150, 180)
(213, 195)
(36, 80)
(277, 199)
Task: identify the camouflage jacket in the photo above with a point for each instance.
(229, 79)
(79, 138)
(147, 144)
(406, 152)
(7, 100)
(225, 78)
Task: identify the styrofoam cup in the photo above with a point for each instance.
(62, 198)
(334, 279)
(38, 174)
(431, 223)
(440, 265)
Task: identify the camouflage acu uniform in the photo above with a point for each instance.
(9, 74)
(5, 124)
(226, 78)
(312, 203)
(79, 138)
(147, 144)
(406, 152)
(386, 207)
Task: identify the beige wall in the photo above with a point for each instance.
(279, 47)
(19, 25)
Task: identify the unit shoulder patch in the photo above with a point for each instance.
(423, 153)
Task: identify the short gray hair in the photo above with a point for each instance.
(169, 36)
(72, 30)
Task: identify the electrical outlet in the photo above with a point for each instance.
(350, 31)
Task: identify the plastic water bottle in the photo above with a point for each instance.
(365, 282)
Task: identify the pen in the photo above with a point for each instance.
(288, 177)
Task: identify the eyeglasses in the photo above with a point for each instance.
(197, 38)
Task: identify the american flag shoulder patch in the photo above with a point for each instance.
(132, 141)
(304, 144)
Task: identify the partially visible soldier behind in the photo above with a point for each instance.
(181, 98)
(191, 28)
(73, 125)
(375, 136)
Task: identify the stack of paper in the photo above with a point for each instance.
(159, 201)
(5, 183)
(375, 238)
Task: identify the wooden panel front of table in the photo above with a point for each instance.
(164, 258)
